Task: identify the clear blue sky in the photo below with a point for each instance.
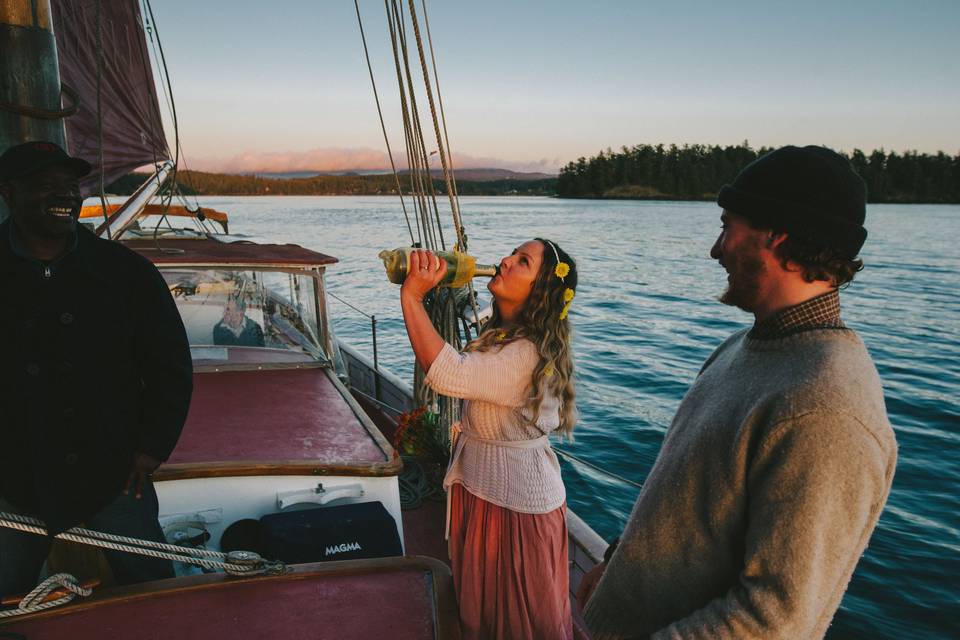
(530, 83)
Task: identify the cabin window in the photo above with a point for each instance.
(248, 316)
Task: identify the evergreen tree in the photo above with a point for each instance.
(696, 172)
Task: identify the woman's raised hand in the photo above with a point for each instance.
(424, 272)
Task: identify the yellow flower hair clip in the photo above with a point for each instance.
(501, 335)
(568, 295)
(548, 371)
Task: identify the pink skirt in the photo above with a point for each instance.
(509, 570)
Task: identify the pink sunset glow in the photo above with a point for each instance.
(335, 159)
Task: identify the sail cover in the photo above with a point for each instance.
(132, 129)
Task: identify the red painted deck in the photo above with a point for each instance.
(272, 415)
(398, 599)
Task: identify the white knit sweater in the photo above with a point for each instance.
(500, 455)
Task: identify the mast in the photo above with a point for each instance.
(29, 77)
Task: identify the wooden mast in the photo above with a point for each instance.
(29, 76)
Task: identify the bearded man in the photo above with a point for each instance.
(774, 471)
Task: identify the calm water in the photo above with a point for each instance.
(646, 318)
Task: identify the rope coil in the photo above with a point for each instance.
(35, 600)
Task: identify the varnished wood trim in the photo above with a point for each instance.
(96, 211)
(447, 621)
(263, 366)
(187, 470)
(293, 266)
(26, 13)
(586, 538)
(364, 419)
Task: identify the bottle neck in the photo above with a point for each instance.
(485, 270)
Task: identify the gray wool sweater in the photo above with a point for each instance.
(767, 487)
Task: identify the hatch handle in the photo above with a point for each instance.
(319, 495)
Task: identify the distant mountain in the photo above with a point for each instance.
(473, 175)
(476, 182)
(489, 175)
(295, 175)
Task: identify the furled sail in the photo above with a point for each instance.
(132, 129)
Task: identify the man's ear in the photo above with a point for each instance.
(775, 239)
(6, 193)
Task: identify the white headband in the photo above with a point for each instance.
(555, 254)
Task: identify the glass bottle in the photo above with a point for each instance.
(461, 268)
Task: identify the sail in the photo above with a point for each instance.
(132, 129)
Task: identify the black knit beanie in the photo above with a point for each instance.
(810, 191)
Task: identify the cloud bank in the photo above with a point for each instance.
(338, 159)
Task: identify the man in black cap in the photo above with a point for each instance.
(774, 471)
(95, 376)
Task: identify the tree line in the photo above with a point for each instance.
(660, 172)
(221, 184)
(696, 172)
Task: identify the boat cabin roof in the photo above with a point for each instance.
(277, 422)
(210, 252)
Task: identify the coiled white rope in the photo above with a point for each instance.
(34, 601)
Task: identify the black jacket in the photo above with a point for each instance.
(95, 366)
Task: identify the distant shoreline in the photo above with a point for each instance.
(491, 183)
(691, 173)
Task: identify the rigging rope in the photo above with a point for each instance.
(416, 154)
(449, 178)
(103, 189)
(242, 563)
(179, 158)
(443, 118)
(168, 94)
(383, 127)
(600, 470)
(424, 175)
(458, 224)
(444, 305)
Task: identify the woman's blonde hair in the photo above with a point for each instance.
(543, 321)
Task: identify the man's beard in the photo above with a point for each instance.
(743, 289)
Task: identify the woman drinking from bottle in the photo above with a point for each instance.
(507, 532)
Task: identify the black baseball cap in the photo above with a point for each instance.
(30, 157)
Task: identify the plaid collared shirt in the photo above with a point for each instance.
(822, 312)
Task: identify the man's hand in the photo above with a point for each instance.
(142, 470)
(588, 583)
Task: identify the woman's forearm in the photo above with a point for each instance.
(424, 339)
